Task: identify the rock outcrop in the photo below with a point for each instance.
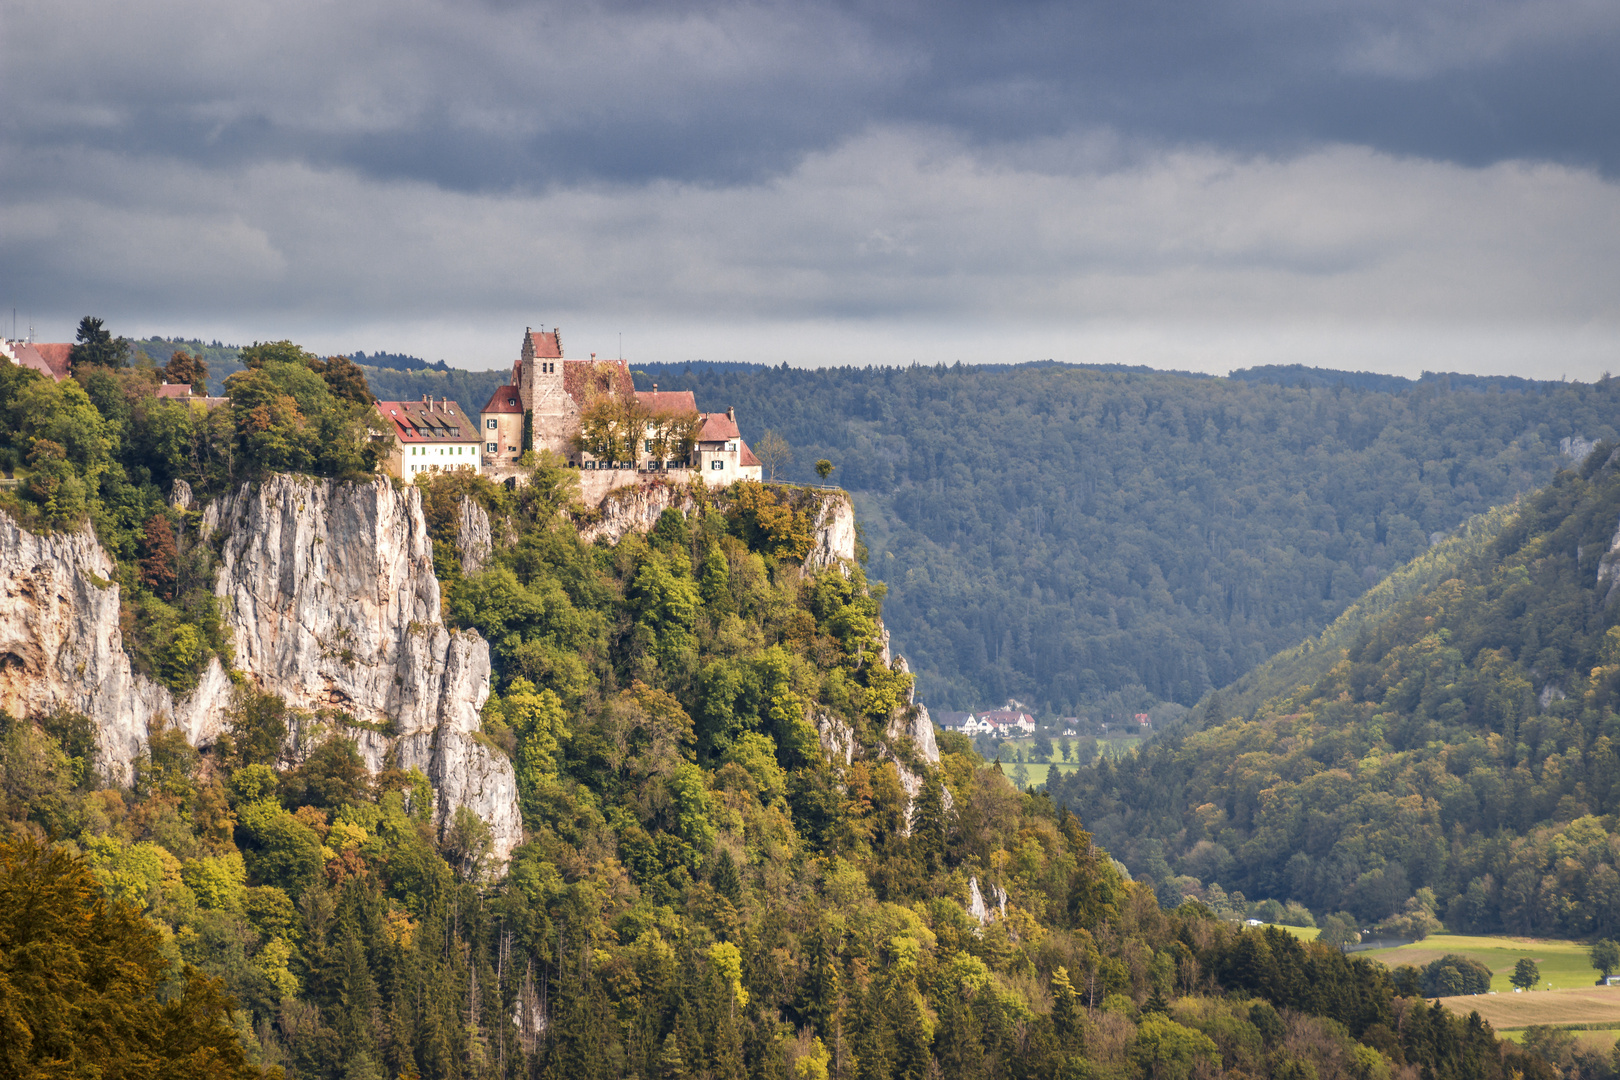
(473, 539)
(835, 533)
(329, 599)
(61, 646)
(333, 605)
(636, 509)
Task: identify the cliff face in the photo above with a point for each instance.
(61, 648)
(330, 601)
(636, 509)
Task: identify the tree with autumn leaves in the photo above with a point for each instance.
(85, 987)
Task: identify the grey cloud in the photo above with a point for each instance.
(488, 97)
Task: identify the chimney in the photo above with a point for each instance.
(426, 402)
(593, 358)
(731, 414)
(655, 388)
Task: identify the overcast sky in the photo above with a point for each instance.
(1209, 184)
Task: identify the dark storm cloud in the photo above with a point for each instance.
(500, 96)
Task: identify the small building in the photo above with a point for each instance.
(174, 390)
(1009, 723)
(427, 436)
(721, 456)
(952, 721)
(1143, 719)
(49, 358)
(501, 427)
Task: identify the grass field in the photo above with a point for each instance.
(1304, 933)
(1504, 1012)
(1603, 1038)
(1039, 770)
(1563, 964)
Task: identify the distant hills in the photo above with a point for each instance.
(1457, 731)
(1092, 539)
(1097, 538)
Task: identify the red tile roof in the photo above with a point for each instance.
(546, 344)
(47, 358)
(746, 455)
(56, 355)
(667, 401)
(174, 390)
(585, 379)
(718, 427)
(441, 422)
(505, 399)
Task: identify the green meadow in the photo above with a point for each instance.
(1563, 964)
(1115, 746)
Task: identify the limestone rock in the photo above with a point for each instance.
(61, 647)
(835, 532)
(328, 596)
(837, 737)
(1609, 568)
(473, 540)
(635, 509)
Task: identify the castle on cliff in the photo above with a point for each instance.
(633, 434)
(541, 408)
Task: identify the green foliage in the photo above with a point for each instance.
(1525, 974)
(1463, 742)
(1605, 956)
(85, 989)
(1452, 975)
(1062, 533)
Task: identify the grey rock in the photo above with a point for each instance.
(473, 539)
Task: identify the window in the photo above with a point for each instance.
(731, 446)
(649, 446)
(489, 448)
(511, 401)
(490, 424)
(717, 464)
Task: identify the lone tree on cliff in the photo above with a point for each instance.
(824, 469)
(773, 452)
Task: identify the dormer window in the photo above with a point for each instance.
(511, 401)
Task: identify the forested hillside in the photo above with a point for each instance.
(1462, 740)
(703, 890)
(1061, 534)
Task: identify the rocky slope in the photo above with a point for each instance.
(330, 602)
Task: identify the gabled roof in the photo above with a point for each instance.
(547, 344)
(718, 427)
(505, 399)
(667, 401)
(433, 421)
(585, 379)
(174, 390)
(1004, 716)
(745, 455)
(46, 357)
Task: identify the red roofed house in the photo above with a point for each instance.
(174, 390)
(46, 357)
(501, 421)
(427, 436)
(721, 456)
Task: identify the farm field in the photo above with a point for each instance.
(1603, 1039)
(1037, 771)
(1563, 964)
(1588, 1005)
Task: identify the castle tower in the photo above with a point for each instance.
(538, 373)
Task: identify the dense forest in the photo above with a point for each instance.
(1460, 740)
(1063, 534)
(1095, 539)
(701, 892)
